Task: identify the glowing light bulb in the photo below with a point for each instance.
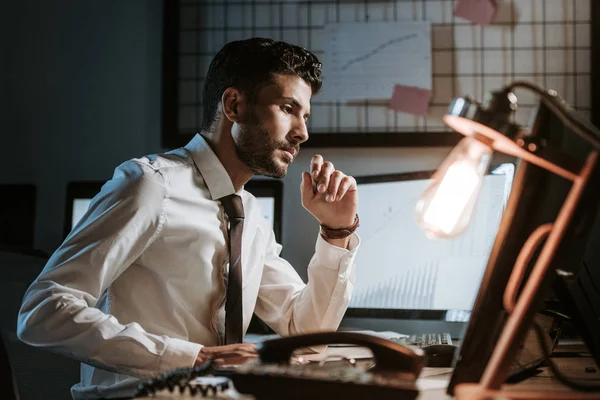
(446, 206)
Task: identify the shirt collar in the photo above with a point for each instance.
(216, 177)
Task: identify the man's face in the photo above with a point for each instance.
(268, 137)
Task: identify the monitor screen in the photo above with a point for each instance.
(80, 206)
(402, 271)
(268, 192)
(79, 196)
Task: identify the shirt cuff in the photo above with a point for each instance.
(330, 256)
(178, 354)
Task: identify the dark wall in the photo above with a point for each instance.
(79, 94)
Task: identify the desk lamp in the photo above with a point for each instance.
(446, 206)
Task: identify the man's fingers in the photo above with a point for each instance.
(334, 184)
(326, 180)
(235, 347)
(237, 355)
(306, 186)
(323, 179)
(347, 183)
(316, 162)
(247, 354)
(228, 354)
(229, 349)
(234, 360)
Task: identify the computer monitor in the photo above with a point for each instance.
(536, 198)
(407, 282)
(269, 193)
(79, 196)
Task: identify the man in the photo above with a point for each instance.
(141, 284)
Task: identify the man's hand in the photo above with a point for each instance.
(329, 195)
(227, 355)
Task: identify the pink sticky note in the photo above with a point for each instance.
(410, 99)
(481, 12)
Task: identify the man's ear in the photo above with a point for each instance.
(234, 104)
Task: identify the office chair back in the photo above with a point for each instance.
(39, 374)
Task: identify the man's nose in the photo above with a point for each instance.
(300, 132)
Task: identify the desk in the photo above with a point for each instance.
(572, 360)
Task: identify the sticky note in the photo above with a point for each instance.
(481, 12)
(410, 99)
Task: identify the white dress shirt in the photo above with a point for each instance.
(139, 285)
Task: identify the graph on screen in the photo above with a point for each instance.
(411, 289)
(367, 60)
(398, 267)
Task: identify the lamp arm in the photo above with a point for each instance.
(520, 268)
(570, 117)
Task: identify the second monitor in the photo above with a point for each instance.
(414, 283)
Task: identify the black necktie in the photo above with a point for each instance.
(233, 305)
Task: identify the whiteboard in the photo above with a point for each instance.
(365, 61)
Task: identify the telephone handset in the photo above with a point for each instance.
(388, 355)
(273, 377)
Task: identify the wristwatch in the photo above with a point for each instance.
(339, 233)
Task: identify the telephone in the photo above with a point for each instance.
(393, 375)
(272, 376)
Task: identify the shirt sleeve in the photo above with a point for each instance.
(289, 306)
(58, 308)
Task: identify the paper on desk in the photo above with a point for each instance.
(366, 60)
(481, 12)
(432, 384)
(381, 334)
(440, 373)
(338, 353)
(410, 99)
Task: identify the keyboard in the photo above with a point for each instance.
(424, 339)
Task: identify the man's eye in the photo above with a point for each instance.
(287, 109)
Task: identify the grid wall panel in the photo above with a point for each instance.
(545, 41)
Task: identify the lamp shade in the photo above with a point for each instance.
(445, 208)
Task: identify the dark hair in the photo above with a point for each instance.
(248, 65)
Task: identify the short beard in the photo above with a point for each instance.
(257, 150)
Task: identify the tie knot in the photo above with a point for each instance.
(233, 206)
